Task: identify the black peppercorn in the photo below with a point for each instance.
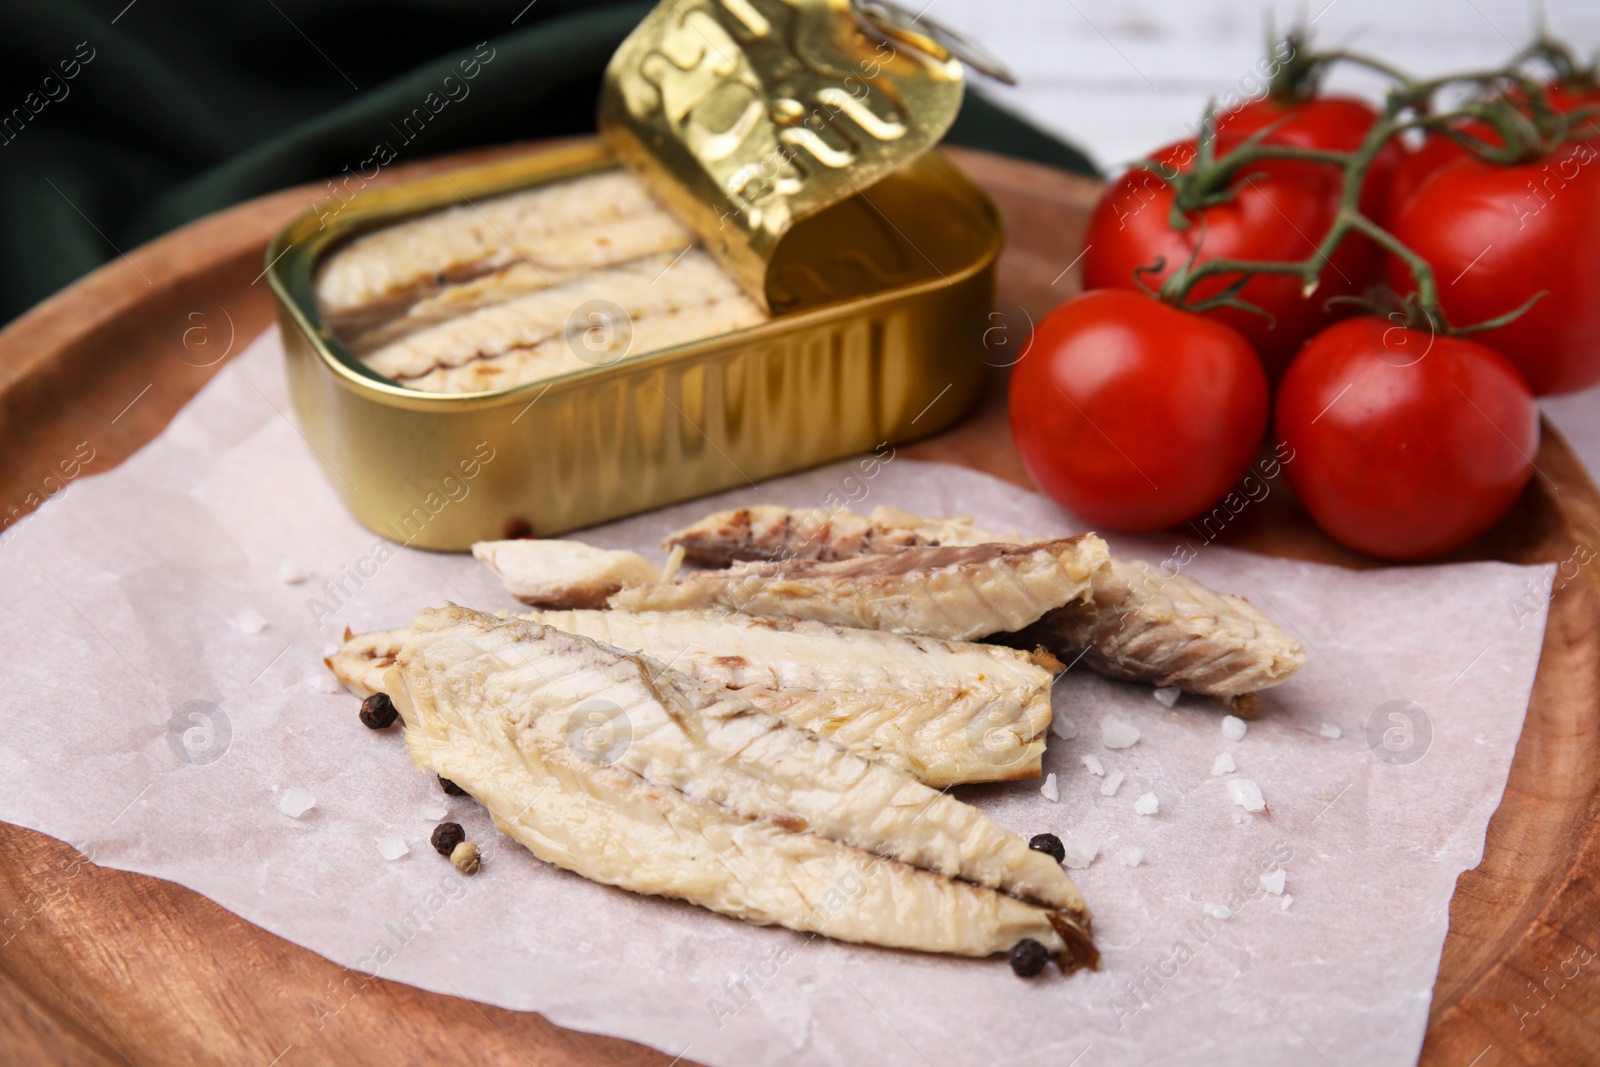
(446, 836)
(377, 712)
(1028, 957)
(1050, 845)
(450, 787)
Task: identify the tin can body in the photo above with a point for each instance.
(885, 353)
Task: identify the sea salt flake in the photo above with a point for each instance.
(1049, 790)
(1246, 794)
(1330, 731)
(250, 621)
(1273, 882)
(1114, 733)
(1113, 782)
(296, 802)
(1065, 729)
(434, 812)
(1133, 856)
(1234, 728)
(1223, 764)
(1218, 911)
(1146, 805)
(391, 846)
(322, 682)
(1288, 899)
(1092, 762)
(291, 572)
(1167, 694)
(1081, 853)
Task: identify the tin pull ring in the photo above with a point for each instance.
(890, 19)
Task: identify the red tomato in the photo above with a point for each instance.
(1133, 414)
(1339, 123)
(1570, 98)
(1437, 150)
(1405, 445)
(1565, 98)
(1278, 217)
(1497, 235)
(1431, 156)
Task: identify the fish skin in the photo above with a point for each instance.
(711, 800)
(947, 713)
(1140, 625)
(772, 532)
(955, 593)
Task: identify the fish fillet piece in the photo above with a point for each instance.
(362, 661)
(590, 221)
(608, 764)
(623, 242)
(955, 593)
(944, 712)
(651, 332)
(1140, 625)
(666, 300)
(1170, 630)
(549, 573)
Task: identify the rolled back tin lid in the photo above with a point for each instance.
(747, 117)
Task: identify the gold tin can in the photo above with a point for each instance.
(893, 286)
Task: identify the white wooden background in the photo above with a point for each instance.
(1122, 78)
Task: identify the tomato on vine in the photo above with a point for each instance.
(1135, 415)
(1406, 444)
(1411, 437)
(1497, 237)
(1339, 123)
(1574, 86)
(1436, 152)
(1276, 211)
(1439, 150)
(1568, 98)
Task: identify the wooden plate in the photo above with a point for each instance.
(100, 966)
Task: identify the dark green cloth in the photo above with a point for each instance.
(121, 121)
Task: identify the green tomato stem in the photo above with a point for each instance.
(1215, 180)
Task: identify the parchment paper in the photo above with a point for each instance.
(138, 593)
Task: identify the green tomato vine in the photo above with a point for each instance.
(1511, 101)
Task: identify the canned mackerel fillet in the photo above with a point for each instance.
(758, 267)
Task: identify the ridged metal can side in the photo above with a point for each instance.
(440, 471)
